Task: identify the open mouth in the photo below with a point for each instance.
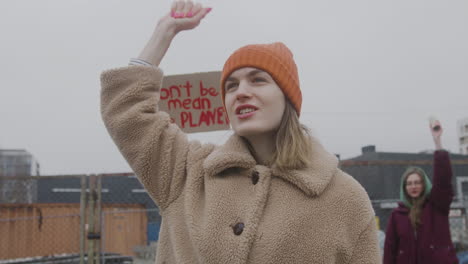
(245, 109)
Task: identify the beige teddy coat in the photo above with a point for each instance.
(218, 205)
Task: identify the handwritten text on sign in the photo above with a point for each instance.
(193, 101)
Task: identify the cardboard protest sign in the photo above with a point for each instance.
(194, 102)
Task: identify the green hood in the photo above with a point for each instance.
(427, 182)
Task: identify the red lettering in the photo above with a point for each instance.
(203, 90)
(176, 88)
(191, 121)
(174, 91)
(196, 103)
(184, 116)
(207, 101)
(207, 117)
(203, 119)
(186, 119)
(220, 114)
(175, 103)
(213, 92)
(201, 103)
(207, 91)
(164, 93)
(187, 86)
(187, 103)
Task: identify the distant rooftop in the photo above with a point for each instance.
(13, 152)
(369, 152)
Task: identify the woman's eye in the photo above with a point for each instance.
(258, 79)
(230, 85)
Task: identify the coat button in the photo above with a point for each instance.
(238, 228)
(255, 177)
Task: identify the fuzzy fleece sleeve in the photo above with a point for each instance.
(357, 219)
(155, 148)
(366, 249)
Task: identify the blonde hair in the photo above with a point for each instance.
(293, 142)
(416, 203)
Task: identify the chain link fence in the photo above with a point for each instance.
(110, 218)
(77, 219)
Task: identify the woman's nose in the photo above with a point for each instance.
(243, 91)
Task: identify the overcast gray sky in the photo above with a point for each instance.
(371, 72)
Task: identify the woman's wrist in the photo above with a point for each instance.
(158, 44)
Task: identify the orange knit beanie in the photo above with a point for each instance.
(276, 59)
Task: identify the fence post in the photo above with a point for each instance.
(91, 204)
(103, 235)
(98, 218)
(82, 218)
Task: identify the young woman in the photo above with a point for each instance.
(270, 194)
(418, 231)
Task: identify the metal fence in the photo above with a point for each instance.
(76, 219)
(110, 218)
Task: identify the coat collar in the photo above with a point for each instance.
(312, 180)
(402, 208)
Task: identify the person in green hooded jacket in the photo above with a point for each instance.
(418, 231)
